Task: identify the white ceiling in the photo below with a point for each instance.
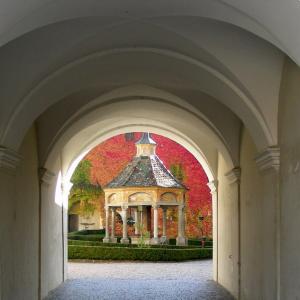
(277, 21)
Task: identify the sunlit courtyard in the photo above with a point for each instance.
(140, 280)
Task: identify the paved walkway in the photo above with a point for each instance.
(139, 281)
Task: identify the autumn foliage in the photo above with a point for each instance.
(110, 157)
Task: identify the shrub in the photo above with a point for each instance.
(135, 253)
(101, 244)
(88, 232)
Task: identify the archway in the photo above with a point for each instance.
(197, 136)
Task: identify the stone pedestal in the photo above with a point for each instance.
(113, 240)
(155, 241)
(124, 241)
(181, 241)
(106, 240)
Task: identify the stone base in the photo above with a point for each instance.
(181, 241)
(113, 240)
(124, 241)
(106, 240)
(155, 241)
(164, 240)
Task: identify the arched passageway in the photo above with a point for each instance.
(215, 76)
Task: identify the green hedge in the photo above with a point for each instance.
(96, 236)
(101, 244)
(88, 231)
(194, 242)
(88, 237)
(134, 253)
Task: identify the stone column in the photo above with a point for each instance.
(165, 222)
(137, 223)
(124, 239)
(155, 239)
(106, 239)
(181, 240)
(141, 220)
(113, 239)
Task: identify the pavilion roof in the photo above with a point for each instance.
(145, 171)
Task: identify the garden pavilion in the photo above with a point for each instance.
(145, 183)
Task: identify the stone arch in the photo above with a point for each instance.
(60, 84)
(168, 196)
(139, 197)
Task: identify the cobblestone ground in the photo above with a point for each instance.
(140, 280)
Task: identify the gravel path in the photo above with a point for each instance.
(140, 280)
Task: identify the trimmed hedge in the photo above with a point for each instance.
(134, 253)
(194, 242)
(88, 231)
(101, 244)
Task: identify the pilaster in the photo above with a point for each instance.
(268, 163)
(213, 186)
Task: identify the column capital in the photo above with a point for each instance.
(112, 208)
(181, 206)
(155, 206)
(124, 207)
(9, 160)
(46, 176)
(213, 186)
(269, 159)
(234, 175)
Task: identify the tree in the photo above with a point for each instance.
(83, 191)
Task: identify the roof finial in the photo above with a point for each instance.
(146, 139)
(145, 146)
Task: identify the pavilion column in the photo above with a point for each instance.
(141, 220)
(165, 222)
(137, 223)
(113, 239)
(181, 240)
(155, 239)
(106, 239)
(124, 239)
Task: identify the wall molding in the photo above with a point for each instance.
(9, 160)
(269, 159)
(46, 176)
(234, 175)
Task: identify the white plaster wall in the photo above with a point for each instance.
(251, 191)
(19, 226)
(26, 221)
(259, 227)
(289, 134)
(227, 230)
